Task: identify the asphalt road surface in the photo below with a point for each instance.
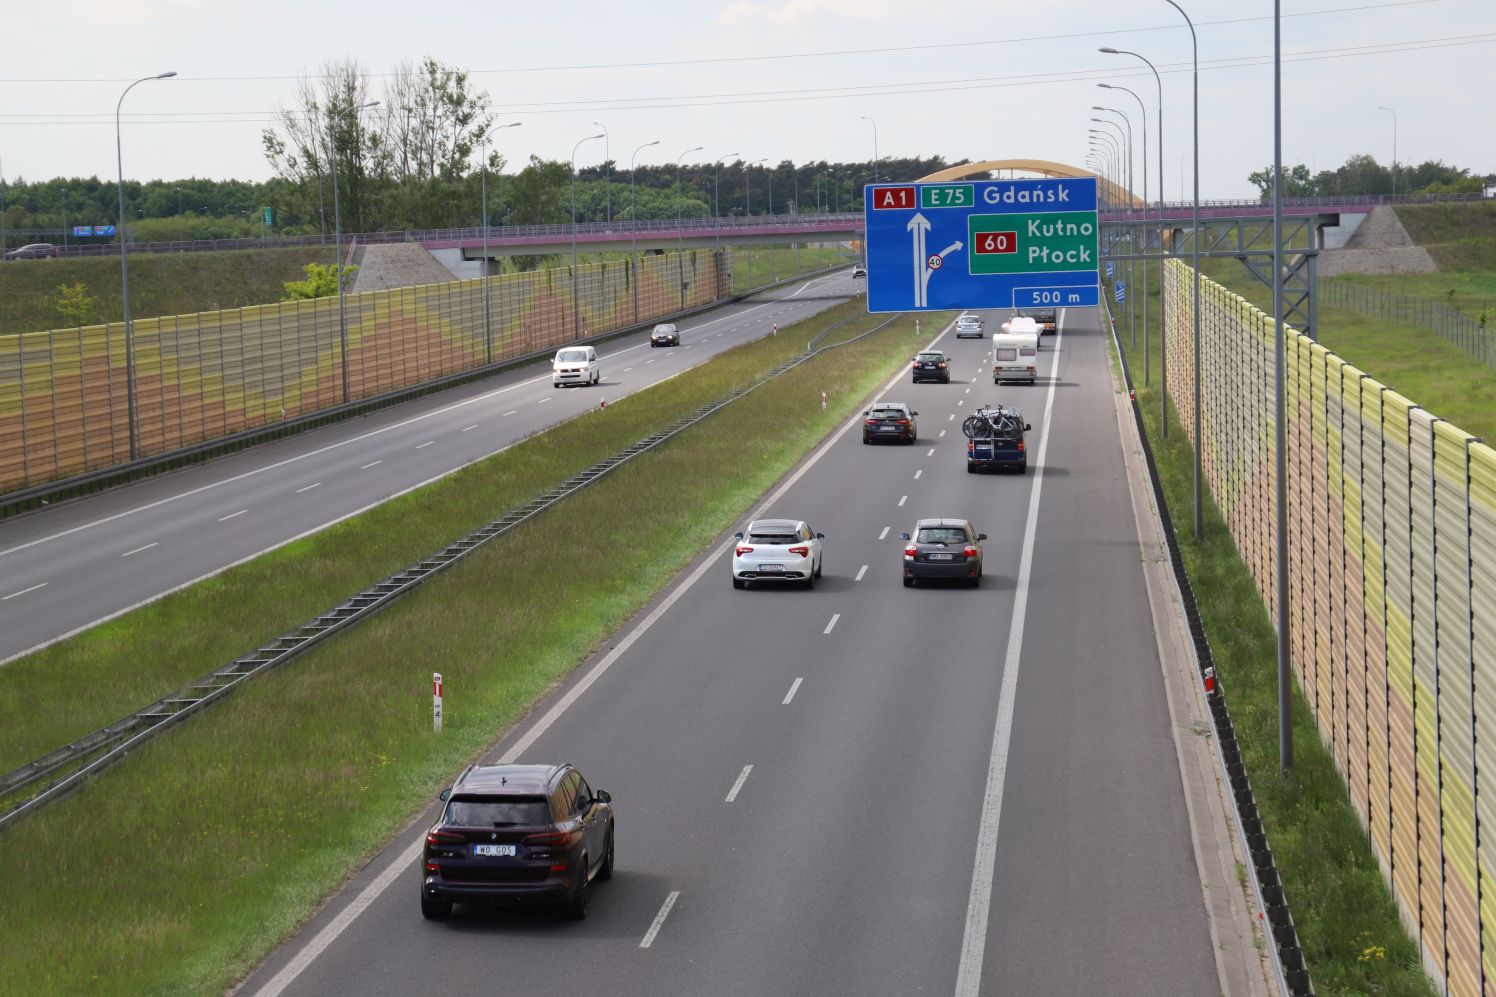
(70, 567)
(861, 789)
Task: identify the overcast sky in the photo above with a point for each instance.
(775, 79)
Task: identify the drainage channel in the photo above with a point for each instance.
(55, 774)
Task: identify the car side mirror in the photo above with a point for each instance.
(737, 536)
(444, 795)
(603, 796)
(903, 536)
(1027, 427)
(820, 536)
(912, 412)
(981, 536)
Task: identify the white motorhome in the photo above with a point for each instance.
(1015, 351)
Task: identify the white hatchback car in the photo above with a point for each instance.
(777, 550)
(575, 365)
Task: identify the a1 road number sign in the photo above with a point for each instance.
(995, 242)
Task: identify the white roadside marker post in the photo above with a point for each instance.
(823, 401)
(436, 701)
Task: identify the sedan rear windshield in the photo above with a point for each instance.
(942, 535)
(498, 811)
(937, 357)
(572, 356)
(889, 413)
(773, 539)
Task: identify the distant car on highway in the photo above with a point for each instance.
(525, 831)
(575, 365)
(859, 271)
(665, 334)
(890, 421)
(777, 550)
(932, 365)
(969, 327)
(32, 251)
(943, 548)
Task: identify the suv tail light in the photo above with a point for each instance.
(802, 551)
(970, 551)
(911, 551)
(901, 422)
(870, 422)
(741, 550)
(553, 839)
(444, 838)
(1020, 446)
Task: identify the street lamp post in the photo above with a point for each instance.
(483, 196)
(1132, 324)
(337, 263)
(717, 200)
(634, 225)
(607, 170)
(124, 267)
(576, 317)
(1280, 441)
(1163, 327)
(680, 246)
(875, 145)
(1394, 146)
(1143, 114)
(1195, 263)
(64, 219)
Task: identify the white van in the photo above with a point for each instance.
(575, 365)
(1015, 356)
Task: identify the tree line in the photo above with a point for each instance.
(1362, 174)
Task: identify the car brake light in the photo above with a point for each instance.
(1033, 370)
(901, 422)
(910, 551)
(553, 839)
(433, 867)
(942, 366)
(1020, 446)
(444, 838)
(741, 550)
(802, 551)
(971, 551)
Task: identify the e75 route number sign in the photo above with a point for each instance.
(993, 243)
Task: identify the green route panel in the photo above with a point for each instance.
(1042, 242)
(947, 195)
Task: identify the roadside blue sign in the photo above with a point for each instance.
(981, 244)
(1121, 290)
(1109, 270)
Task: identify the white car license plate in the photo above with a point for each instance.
(483, 851)
(888, 429)
(770, 569)
(942, 557)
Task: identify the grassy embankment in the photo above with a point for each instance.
(1353, 940)
(177, 871)
(160, 283)
(751, 264)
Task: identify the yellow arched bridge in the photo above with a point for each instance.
(1112, 194)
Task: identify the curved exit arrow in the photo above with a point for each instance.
(922, 296)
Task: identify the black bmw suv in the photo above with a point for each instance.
(517, 831)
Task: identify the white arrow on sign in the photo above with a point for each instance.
(934, 263)
(919, 226)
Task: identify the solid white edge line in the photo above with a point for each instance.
(830, 626)
(788, 697)
(137, 550)
(659, 921)
(737, 787)
(400, 864)
(38, 585)
(979, 902)
(860, 572)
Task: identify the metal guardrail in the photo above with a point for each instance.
(68, 767)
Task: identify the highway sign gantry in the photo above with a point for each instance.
(982, 244)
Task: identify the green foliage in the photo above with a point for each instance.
(321, 281)
(1362, 174)
(74, 304)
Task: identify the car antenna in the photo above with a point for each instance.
(503, 780)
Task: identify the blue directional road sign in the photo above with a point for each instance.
(1121, 291)
(981, 244)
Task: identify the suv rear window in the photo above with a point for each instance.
(888, 413)
(773, 538)
(498, 811)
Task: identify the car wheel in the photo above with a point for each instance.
(810, 580)
(908, 582)
(435, 910)
(738, 583)
(576, 906)
(970, 469)
(818, 569)
(1023, 468)
(866, 441)
(606, 871)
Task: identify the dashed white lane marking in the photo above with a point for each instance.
(732, 793)
(959, 403)
(942, 433)
(931, 451)
(510, 412)
(659, 921)
(832, 625)
(794, 688)
(627, 369)
(42, 585)
(860, 572)
(968, 391)
(423, 446)
(137, 550)
(544, 400)
(308, 488)
(884, 534)
(371, 464)
(649, 361)
(951, 417)
(466, 428)
(918, 473)
(902, 500)
(225, 519)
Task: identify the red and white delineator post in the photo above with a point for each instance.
(436, 701)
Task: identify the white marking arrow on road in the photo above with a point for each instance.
(919, 225)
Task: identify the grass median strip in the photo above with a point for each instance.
(184, 866)
(1353, 939)
(105, 673)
